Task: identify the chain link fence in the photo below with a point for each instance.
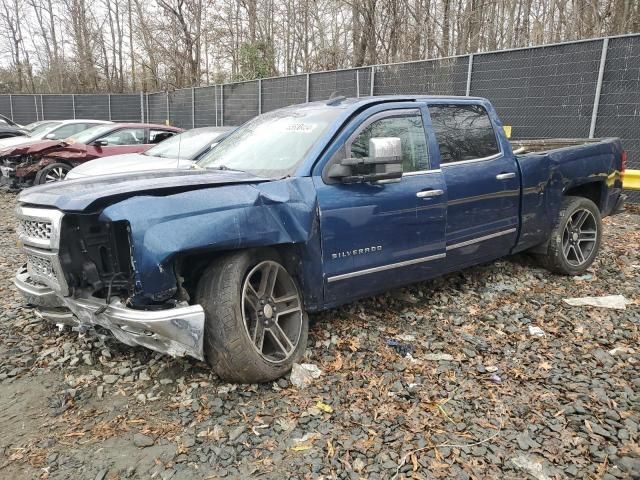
(589, 88)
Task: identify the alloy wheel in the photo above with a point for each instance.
(272, 311)
(55, 175)
(579, 237)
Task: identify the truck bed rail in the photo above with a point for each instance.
(544, 144)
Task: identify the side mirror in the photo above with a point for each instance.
(101, 143)
(384, 163)
(50, 136)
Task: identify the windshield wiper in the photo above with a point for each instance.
(224, 167)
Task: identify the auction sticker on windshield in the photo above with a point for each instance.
(299, 127)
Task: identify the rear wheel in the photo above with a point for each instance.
(256, 327)
(575, 238)
(55, 172)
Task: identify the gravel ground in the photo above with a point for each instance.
(467, 392)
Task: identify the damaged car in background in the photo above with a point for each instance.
(14, 151)
(179, 151)
(303, 209)
(50, 160)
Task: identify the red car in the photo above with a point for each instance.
(51, 160)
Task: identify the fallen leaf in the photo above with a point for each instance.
(324, 407)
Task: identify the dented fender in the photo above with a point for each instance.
(229, 217)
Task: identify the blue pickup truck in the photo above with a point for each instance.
(306, 208)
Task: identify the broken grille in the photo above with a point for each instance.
(41, 268)
(36, 229)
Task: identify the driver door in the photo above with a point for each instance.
(382, 234)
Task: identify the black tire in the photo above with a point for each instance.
(228, 346)
(562, 251)
(55, 171)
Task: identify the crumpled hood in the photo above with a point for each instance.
(17, 145)
(43, 146)
(128, 162)
(85, 193)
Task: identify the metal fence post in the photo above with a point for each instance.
(596, 100)
(147, 102)
(307, 95)
(193, 107)
(469, 72)
(168, 117)
(109, 104)
(141, 107)
(222, 105)
(11, 105)
(358, 83)
(35, 102)
(373, 76)
(73, 105)
(41, 107)
(215, 101)
(259, 96)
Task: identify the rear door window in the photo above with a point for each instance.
(464, 132)
(157, 136)
(125, 136)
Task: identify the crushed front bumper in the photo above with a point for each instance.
(175, 331)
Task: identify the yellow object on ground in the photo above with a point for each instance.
(507, 130)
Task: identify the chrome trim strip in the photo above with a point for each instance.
(473, 160)
(382, 268)
(480, 239)
(421, 172)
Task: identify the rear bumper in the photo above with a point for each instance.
(177, 331)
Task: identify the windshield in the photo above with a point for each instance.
(272, 145)
(89, 134)
(186, 145)
(41, 130)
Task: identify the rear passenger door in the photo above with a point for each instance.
(483, 184)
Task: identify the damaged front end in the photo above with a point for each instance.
(8, 171)
(79, 272)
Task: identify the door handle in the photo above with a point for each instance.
(429, 193)
(505, 176)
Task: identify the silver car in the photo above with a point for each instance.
(179, 151)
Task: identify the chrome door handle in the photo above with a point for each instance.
(505, 176)
(429, 193)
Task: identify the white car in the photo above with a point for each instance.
(179, 151)
(56, 130)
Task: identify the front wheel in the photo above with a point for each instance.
(54, 172)
(255, 327)
(575, 238)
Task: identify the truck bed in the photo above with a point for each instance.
(545, 144)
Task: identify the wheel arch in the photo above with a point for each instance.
(594, 190)
(189, 267)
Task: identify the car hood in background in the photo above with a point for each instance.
(32, 146)
(14, 141)
(129, 162)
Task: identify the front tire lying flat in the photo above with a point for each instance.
(255, 327)
(575, 238)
